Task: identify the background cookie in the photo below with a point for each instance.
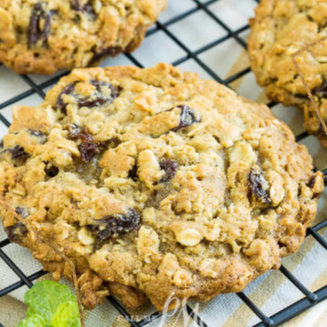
(46, 36)
(279, 29)
(157, 182)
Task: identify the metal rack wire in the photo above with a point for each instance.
(309, 299)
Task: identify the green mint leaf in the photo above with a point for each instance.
(67, 315)
(44, 298)
(33, 321)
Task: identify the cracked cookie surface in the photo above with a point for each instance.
(279, 29)
(42, 37)
(155, 183)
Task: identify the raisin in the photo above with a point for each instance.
(133, 173)
(321, 91)
(42, 137)
(87, 147)
(188, 117)
(311, 185)
(87, 8)
(23, 212)
(17, 232)
(75, 5)
(1, 144)
(75, 131)
(47, 28)
(301, 96)
(110, 51)
(170, 167)
(310, 18)
(60, 104)
(97, 99)
(36, 133)
(51, 171)
(18, 152)
(112, 226)
(88, 150)
(39, 18)
(312, 181)
(257, 185)
(281, 244)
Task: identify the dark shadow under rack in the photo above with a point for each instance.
(309, 300)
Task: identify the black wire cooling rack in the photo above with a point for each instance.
(309, 298)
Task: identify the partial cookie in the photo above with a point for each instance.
(46, 36)
(157, 184)
(279, 29)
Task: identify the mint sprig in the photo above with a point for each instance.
(51, 304)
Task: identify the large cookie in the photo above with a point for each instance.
(279, 29)
(156, 184)
(46, 36)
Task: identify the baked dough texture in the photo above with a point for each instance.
(156, 184)
(281, 28)
(42, 37)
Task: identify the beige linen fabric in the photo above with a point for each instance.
(271, 292)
